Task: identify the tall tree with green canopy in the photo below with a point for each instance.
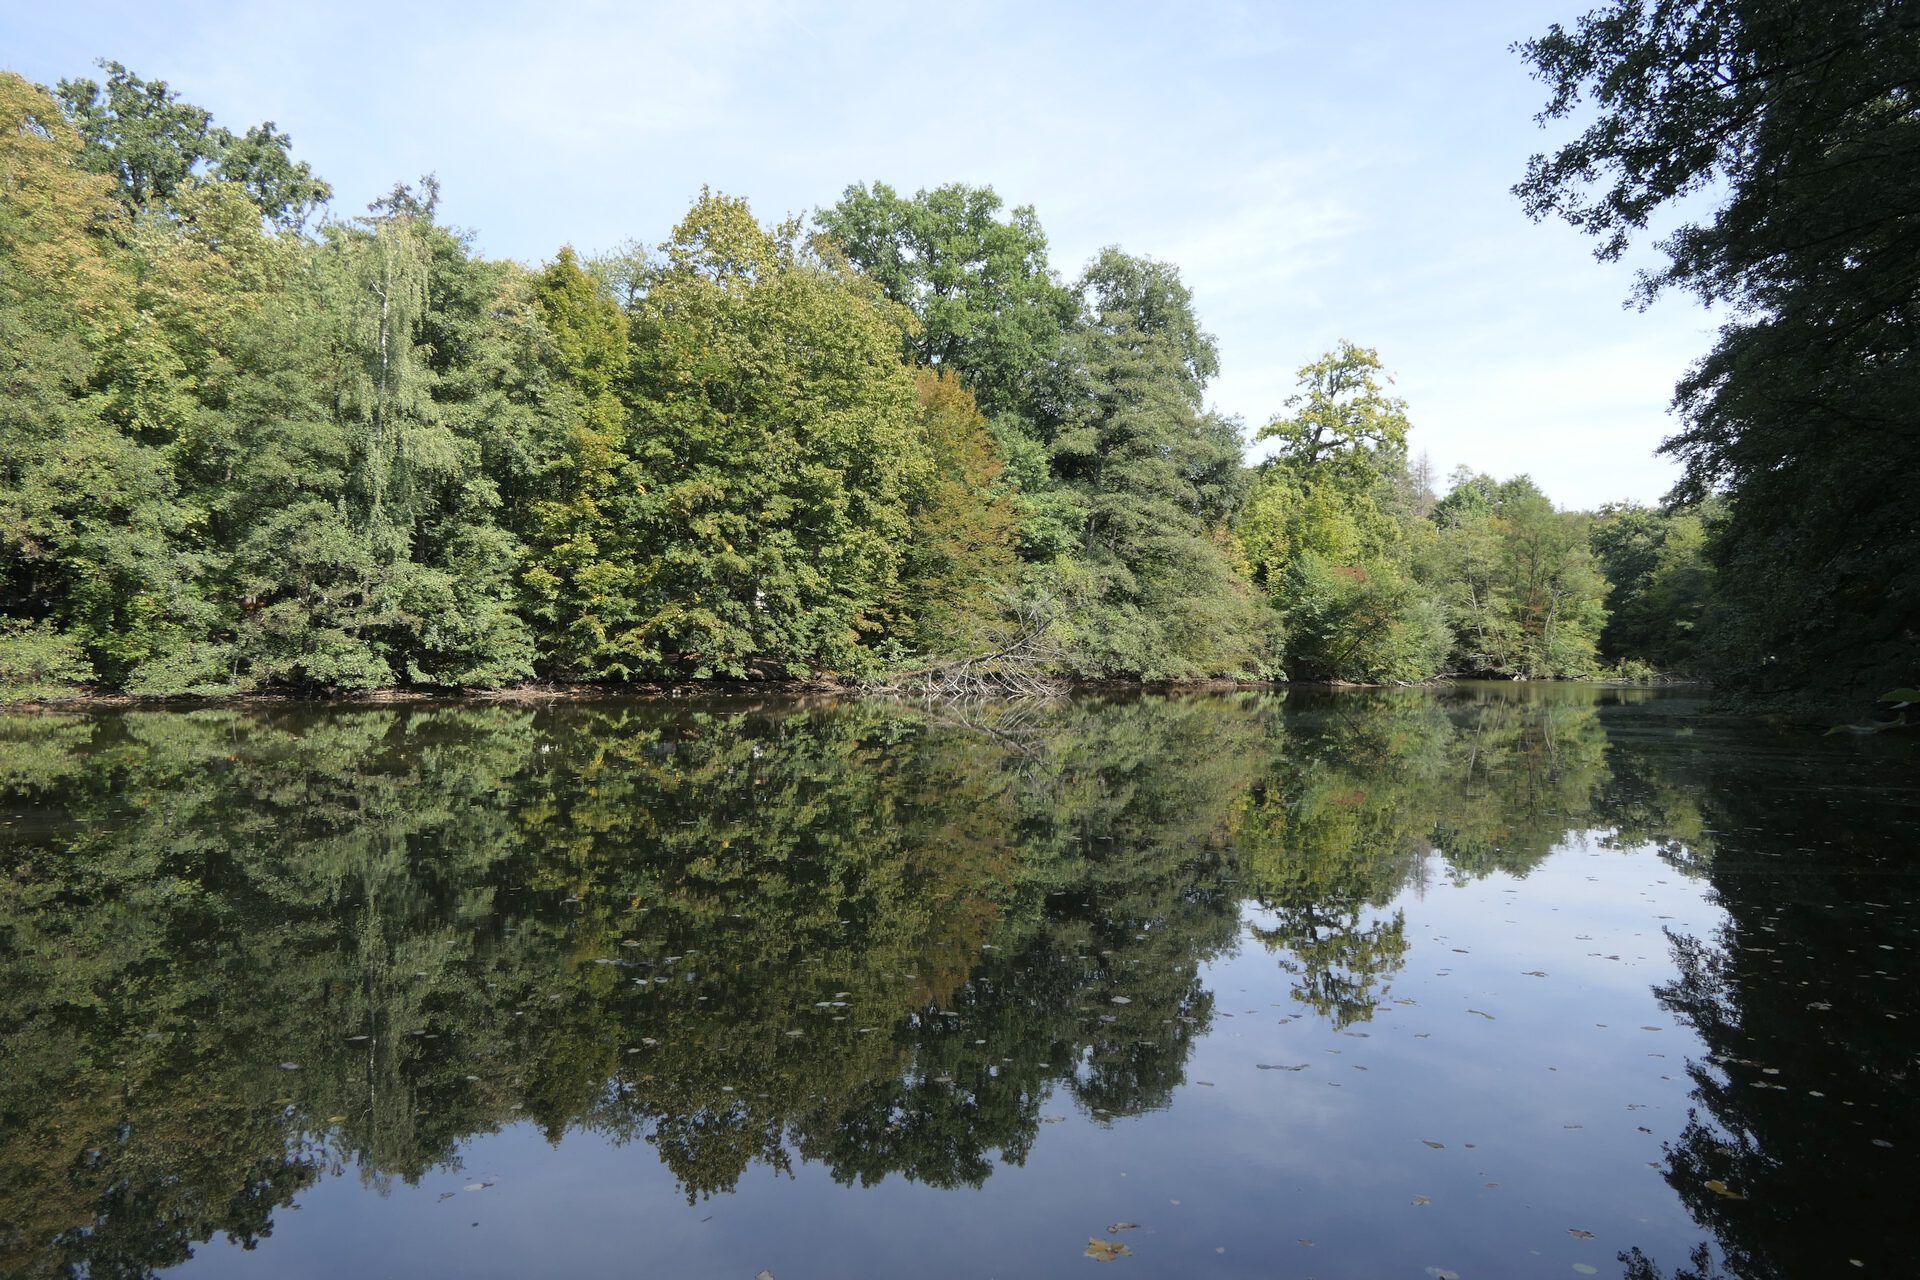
(1321, 532)
(1154, 588)
(962, 564)
(782, 446)
(1801, 121)
(1342, 413)
(986, 300)
(582, 478)
(139, 133)
(372, 550)
(89, 505)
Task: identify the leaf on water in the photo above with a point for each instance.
(1281, 1066)
(1308, 1241)
(1578, 1234)
(1722, 1190)
(763, 1275)
(1483, 1013)
(336, 1119)
(476, 1186)
(289, 1066)
(1437, 1146)
(1106, 1250)
(1118, 1227)
(1441, 1273)
(1533, 973)
(1121, 1000)
(1586, 1270)
(1422, 1200)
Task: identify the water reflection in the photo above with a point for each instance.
(243, 950)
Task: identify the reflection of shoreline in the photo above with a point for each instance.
(768, 694)
(614, 918)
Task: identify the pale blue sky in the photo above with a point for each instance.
(1317, 171)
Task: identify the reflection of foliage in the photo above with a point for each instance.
(850, 934)
(1365, 786)
(1807, 1025)
(1700, 1266)
(241, 949)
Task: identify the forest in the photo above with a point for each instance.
(251, 443)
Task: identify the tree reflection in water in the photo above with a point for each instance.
(242, 949)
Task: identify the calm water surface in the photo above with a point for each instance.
(1484, 982)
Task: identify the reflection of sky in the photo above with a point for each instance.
(1545, 1099)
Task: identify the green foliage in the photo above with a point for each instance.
(1365, 621)
(1342, 414)
(985, 301)
(579, 471)
(37, 661)
(151, 144)
(243, 455)
(1322, 538)
(1154, 590)
(961, 564)
(1800, 116)
(1523, 592)
(1662, 582)
(782, 448)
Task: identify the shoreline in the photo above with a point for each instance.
(543, 692)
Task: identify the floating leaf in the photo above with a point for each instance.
(763, 1275)
(336, 1119)
(1429, 1142)
(1722, 1190)
(1578, 1234)
(1281, 1066)
(1106, 1250)
(1441, 1273)
(1118, 1227)
(1420, 1200)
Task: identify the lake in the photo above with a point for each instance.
(1478, 981)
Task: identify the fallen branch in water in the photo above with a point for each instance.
(1022, 666)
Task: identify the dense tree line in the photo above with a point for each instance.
(247, 445)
